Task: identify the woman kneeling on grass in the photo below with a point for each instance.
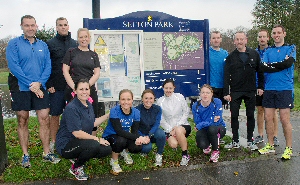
(175, 112)
(122, 131)
(74, 139)
(149, 126)
(209, 122)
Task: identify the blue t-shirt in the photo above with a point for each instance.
(204, 116)
(282, 80)
(217, 62)
(75, 117)
(125, 120)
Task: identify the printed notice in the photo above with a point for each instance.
(153, 51)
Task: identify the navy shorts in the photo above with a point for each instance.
(57, 103)
(259, 100)
(278, 99)
(27, 100)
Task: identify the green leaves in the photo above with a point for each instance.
(45, 34)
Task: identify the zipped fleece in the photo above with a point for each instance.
(240, 76)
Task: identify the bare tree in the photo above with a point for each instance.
(3, 45)
(228, 36)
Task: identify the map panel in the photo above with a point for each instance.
(182, 50)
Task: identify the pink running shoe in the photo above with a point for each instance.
(207, 150)
(214, 156)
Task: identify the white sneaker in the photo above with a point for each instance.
(127, 157)
(158, 160)
(252, 146)
(232, 145)
(185, 160)
(115, 166)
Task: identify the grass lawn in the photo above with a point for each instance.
(40, 170)
(3, 77)
(97, 167)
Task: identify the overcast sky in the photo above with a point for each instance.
(222, 14)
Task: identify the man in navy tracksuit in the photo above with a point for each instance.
(240, 70)
(56, 84)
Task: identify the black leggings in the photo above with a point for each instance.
(83, 150)
(119, 143)
(210, 136)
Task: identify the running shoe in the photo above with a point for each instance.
(185, 160)
(50, 157)
(267, 149)
(127, 157)
(207, 150)
(259, 139)
(26, 161)
(214, 156)
(276, 141)
(232, 145)
(78, 173)
(158, 160)
(116, 169)
(287, 153)
(252, 146)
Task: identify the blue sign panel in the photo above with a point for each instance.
(173, 48)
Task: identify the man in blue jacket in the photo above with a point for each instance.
(30, 67)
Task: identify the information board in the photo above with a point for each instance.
(170, 47)
(121, 63)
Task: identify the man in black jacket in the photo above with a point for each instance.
(240, 70)
(57, 83)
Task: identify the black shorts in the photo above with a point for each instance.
(259, 100)
(187, 128)
(27, 100)
(278, 99)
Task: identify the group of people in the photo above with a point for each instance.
(44, 76)
(262, 78)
